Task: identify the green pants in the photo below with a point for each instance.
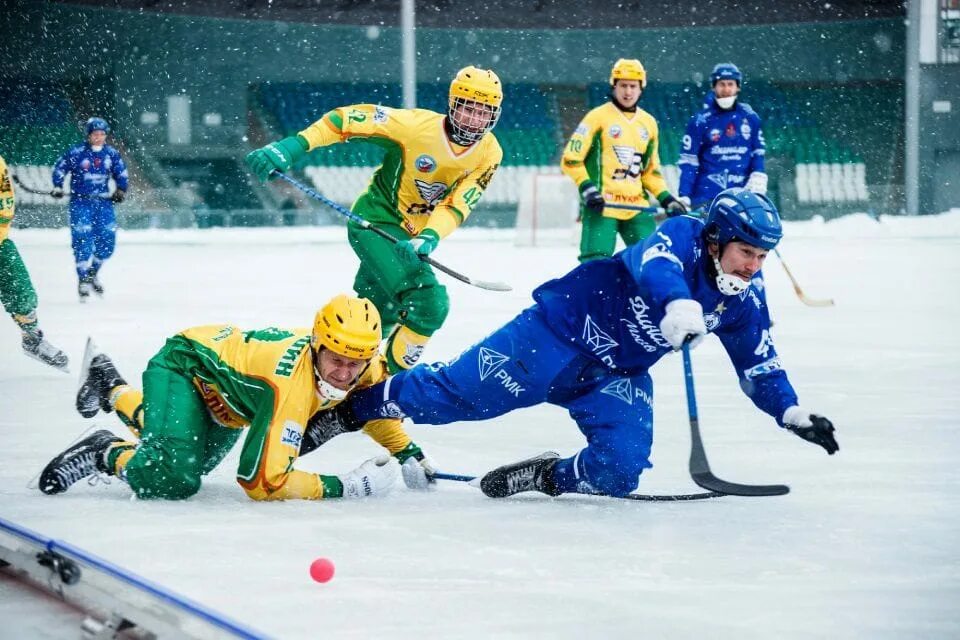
(598, 237)
(16, 290)
(394, 287)
(180, 441)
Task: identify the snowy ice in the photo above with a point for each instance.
(865, 545)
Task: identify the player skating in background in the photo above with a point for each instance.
(723, 146)
(588, 343)
(93, 223)
(613, 159)
(17, 294)
(435, 169)
(209, 383)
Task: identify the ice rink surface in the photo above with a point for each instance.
(867, 545)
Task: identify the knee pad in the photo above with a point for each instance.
(426, 308)
(159, 481)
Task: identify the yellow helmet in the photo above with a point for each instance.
(480, 87)
(349, 326)
(628, 69)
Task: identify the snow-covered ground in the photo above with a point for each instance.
(865, 546)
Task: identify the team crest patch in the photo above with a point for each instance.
(731, 130)
(624, 154)
(411, 354)
(489, 361)
(431, 191)
(581, 130)
(745, 130)
(616, 131)
(380, 115)
(715, 135)
(425, 164)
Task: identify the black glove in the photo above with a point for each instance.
(326, 424)
(592, 198)
(118, 196)
(820, 432)
(672, 206)
(57, 193)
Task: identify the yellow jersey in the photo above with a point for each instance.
(619, 152)
(7, 208)
(425, 181)
(263, 380)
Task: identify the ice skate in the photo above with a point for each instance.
(533, 474)
(98, 376)
(81, 460)
(35, 346)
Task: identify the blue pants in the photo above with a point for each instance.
(93, 232)
(523, 364)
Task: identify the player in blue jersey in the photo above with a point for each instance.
(93, 224)
(723, 146)
(589, 341)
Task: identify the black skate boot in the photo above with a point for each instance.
(81, 460)
(98, 377)
(35, 346)
(85, 288)
(535, 474)
(97, 285)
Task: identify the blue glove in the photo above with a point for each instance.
(409, 251)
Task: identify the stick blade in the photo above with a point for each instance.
(814, 302)
(491, 286)
(712, 483)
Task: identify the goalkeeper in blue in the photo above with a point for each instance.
(588, 342)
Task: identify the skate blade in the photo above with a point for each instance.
(65, 368)
(33, 483)
(90, 351)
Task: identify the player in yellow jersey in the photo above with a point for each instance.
(613, 158)
(17, 294)
(435, 168)
(209, 383)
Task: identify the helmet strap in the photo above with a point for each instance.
(728, 284)
(326, 392)
(725, 103)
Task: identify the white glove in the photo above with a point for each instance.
(686, 201)
(797, 417)
(418, 474)
(375, 477)
(757, 182)
(684, 318)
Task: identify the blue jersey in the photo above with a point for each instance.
(90, 170)
(721, 148)
(611, 310)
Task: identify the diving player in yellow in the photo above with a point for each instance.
(613, 159)
(209, 383)
(17, 294)
(435, 168)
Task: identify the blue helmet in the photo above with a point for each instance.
(726, 71)
(738, 214)
(96, 124)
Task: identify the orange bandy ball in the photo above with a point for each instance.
(321, 570)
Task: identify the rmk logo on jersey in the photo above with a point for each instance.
(599, 341)
(490, 362)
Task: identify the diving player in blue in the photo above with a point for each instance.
(723, 146)
(590, 339)
(93, 224)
